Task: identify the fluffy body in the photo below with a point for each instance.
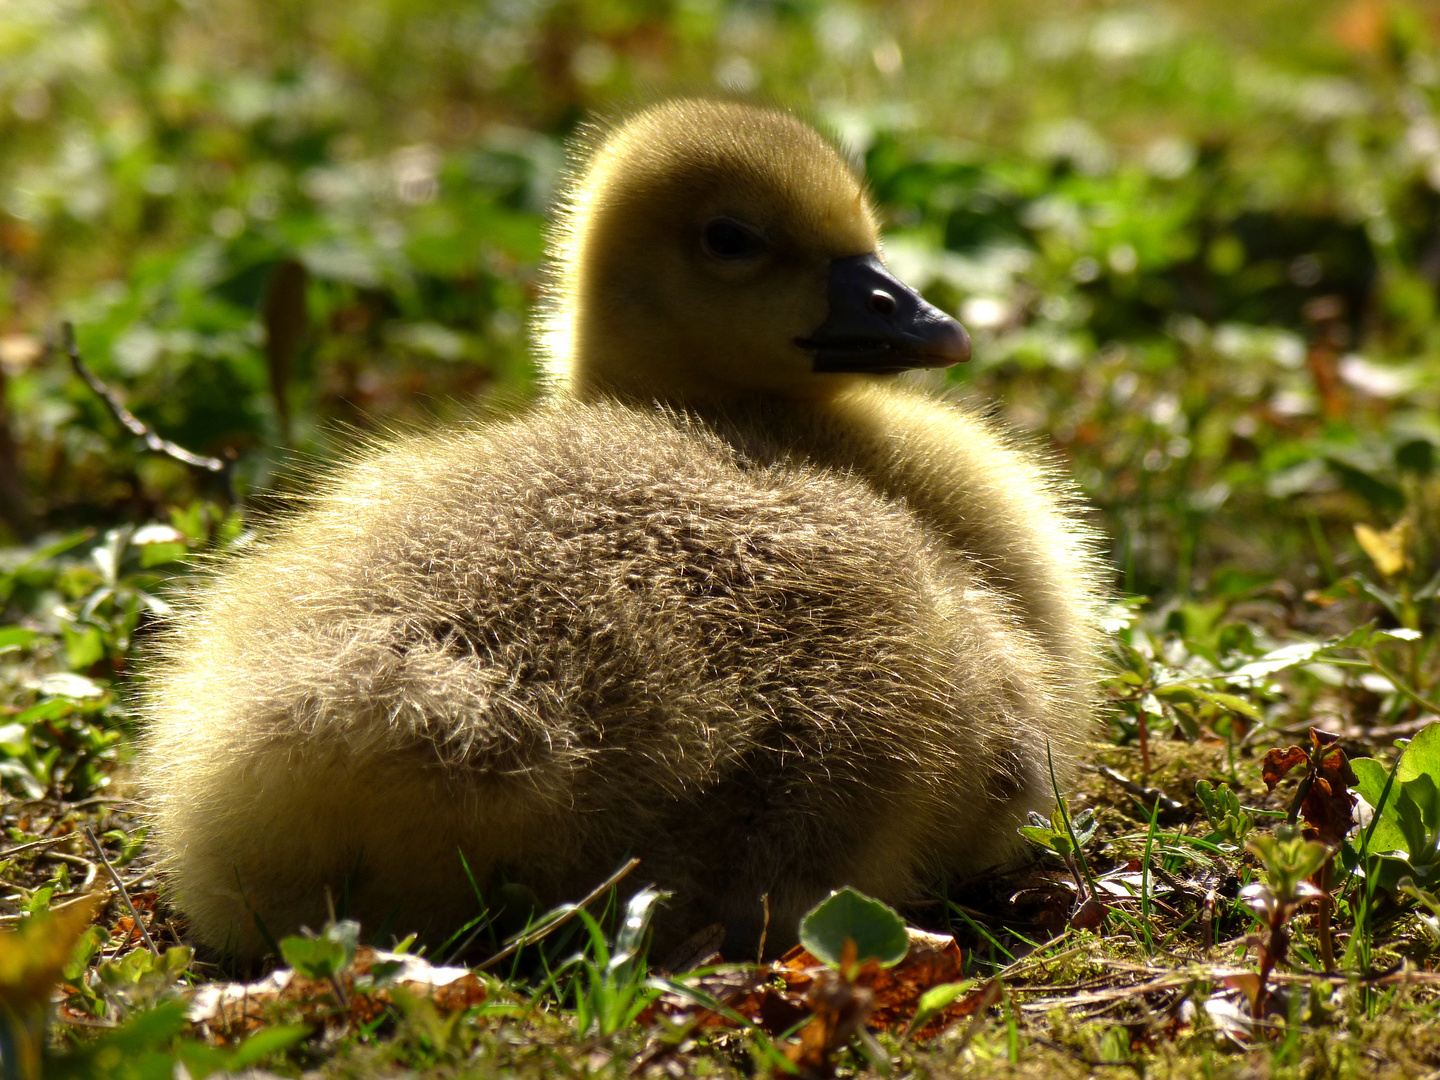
(781, 633)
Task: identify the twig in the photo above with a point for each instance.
(133, 424)
(99, 800)
(567, 913)
(1202, 972)
(1101, 983)
(1109, 995)
(1026, 964)
(35, 844)
(120, 887)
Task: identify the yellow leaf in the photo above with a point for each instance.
(1386, 549)
(30, 961)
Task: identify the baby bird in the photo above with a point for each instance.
(729, 598)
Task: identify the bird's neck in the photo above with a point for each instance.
(689, 392)
(957, 474)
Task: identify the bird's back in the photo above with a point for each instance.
(590, 631)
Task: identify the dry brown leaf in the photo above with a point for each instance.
(840, 1002)
(233, 1010)
(1328, 806)
(1277, 763)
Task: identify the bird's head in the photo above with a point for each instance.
(711, 250)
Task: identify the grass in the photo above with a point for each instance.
(1196, 247)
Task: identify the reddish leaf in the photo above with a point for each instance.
(798, 986)
(1278, 762)
(1090, 915)
(839, 1008)
(1327, 805)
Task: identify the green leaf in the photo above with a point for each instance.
(131, 844)
(877, 931)
(1287, 656)
(1181, 691)
(90, 943)
(201, 1060)
(1085, 824)
(160, 554)
(314, 958)
(1234, 703)
(1115, 1046)
(1358, 638)
(1418, 813)
(1408, 825)
(1288, 860)
(150, 1029)
(1422, 755)
(325, 956)
(1389, 870)
(1388, 837)
(1371, 777)
(639, 913)
(59, 547)
(264, 1043)
(1041, 835)
(16, 637)
(935, 1000)
(1416, 455)
(83, 646)
(1382, 836)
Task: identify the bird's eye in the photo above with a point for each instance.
(726, 238)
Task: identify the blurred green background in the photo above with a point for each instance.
(1197, 243)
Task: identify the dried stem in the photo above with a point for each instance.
(546, 929)
(120, 888)
(137, 427)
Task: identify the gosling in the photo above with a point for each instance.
(731, 597)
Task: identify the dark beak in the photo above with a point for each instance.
(877, 325)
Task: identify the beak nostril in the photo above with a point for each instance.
(877, 325)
